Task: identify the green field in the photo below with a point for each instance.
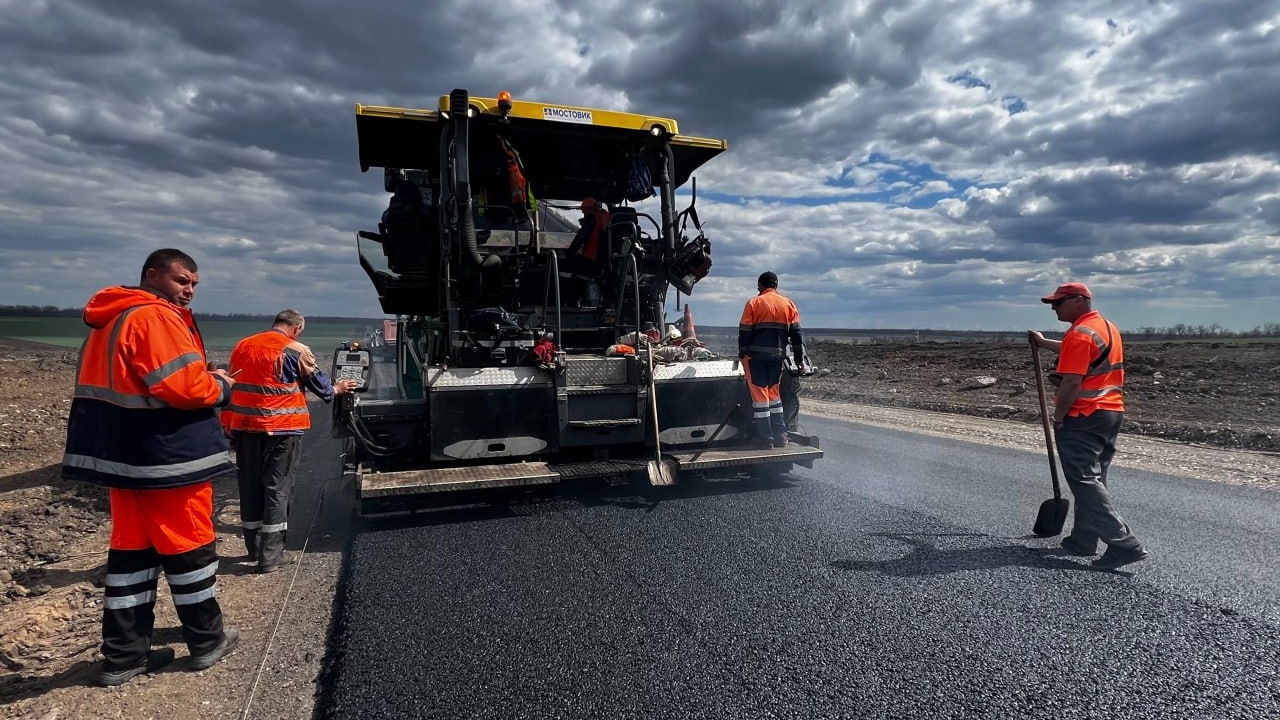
(219, 335)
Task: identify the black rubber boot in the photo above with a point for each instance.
(778, 426)
(761, 436)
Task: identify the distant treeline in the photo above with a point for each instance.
(1180, 331)
(51, 311)
(1203, 332)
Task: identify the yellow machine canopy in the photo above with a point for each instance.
(566, 152)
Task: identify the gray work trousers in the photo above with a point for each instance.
(790, 391)
(1086, 444)
(267, 464)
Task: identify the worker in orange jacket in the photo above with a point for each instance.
(769, 322)
(267, 417)
(1088, 410)
(143, 423)
(584, 258)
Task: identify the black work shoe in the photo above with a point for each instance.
(1114, 558)
(287, 558)
(230, 636)
(1075, 547)
(154, 660)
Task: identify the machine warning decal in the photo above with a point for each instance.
(567, 115)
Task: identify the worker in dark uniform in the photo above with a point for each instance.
(769, 322)
(267, 417)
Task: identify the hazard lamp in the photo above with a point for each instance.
(504, 106)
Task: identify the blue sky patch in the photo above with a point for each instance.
(1013, 104)
(968, 79)
(897, 183)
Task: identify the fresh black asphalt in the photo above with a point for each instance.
(894, 580)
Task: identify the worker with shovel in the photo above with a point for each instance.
(1088, 410)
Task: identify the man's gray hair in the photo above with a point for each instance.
(292, 318)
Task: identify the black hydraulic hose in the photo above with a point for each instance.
(459, 106)
(666, 177)
(468, 227)
(369, 445)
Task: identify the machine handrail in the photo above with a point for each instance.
(633, 271)
(656, 227)
(553, 276)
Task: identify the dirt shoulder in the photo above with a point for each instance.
(1234, 467)
(53, 534)
(1219, 394)
(53, 540)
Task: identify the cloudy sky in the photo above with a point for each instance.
(899, 163)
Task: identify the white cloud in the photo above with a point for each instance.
(876, 158)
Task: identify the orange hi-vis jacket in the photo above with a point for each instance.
(1091, 347)
(768, 322)
(261, 401)
(589, 245)
(143, 411)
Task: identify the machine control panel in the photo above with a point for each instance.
(352, 362)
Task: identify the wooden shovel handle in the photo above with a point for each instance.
(1044, 419)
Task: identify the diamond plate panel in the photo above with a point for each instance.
(412, 482)
(596, 371)
(694, 370)
(456, 378)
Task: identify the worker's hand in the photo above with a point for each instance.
(342, 387)
(1035, 338)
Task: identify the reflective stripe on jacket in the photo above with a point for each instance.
(1092, 347)
(261, 401)
(142, 413)
(768, 322)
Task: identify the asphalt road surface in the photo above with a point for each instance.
(894, 580)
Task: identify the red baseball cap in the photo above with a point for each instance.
(1067, 291)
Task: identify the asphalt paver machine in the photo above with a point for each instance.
(517, 364)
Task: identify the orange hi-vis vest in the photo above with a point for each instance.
(143, 415)
(260, 400)
(1092, 347)
(769, 321)
(591, 248)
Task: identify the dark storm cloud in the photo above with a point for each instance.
(731, 68)
(1142, 150)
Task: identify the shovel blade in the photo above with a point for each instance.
(661, 472)
(1051, 518)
